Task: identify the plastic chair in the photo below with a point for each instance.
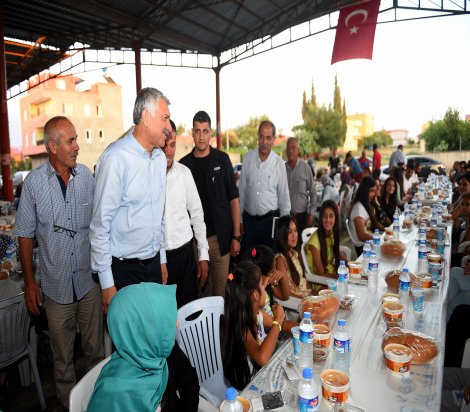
(466, 364)
(354, 241)
(81, 392)
(14, 346)
(198, 336)
(306, 233)
(344, 250)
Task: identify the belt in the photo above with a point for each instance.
(178, 249)
(135, 261)
(272, 213)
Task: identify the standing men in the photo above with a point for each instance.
(127, 229)
(55, 207)
(376, 162)
(333, 162)
(264, 193)
(213, 174)
(397, 157)
(183, 215)
(302, 189)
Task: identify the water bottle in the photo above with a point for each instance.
(433, 222)
(231, 403)
(308, 392)
(366, 256)
(373, 268)
(439, 215)
(414, 203)
(396, 225)
(419, 210)
(444, 207)
(10, 254)
(404, 282)
(422, 257)
(376, 239)
(306, 342)
(422, 232)
(343, 275)
(342, 345)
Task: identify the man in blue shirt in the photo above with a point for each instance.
(55, 208)
(127, 228)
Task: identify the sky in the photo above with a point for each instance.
(419, 69)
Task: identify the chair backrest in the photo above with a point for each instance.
(307, 232)
(355, 242)
(344, 250)
(466, 355)
(323, 280)
(14, 324)
(81, 392)
(198, 336)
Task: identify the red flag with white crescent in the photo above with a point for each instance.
(355, 32)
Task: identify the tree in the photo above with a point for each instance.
(380, 138)
(307, 141)
(180, 129)
(337, 97)
(247, 135)
(24, 164)
(232, 139)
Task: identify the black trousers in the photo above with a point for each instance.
(182, 377)
(182, 271)
(127, 273)
(258, 230)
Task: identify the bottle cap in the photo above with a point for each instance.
(307, 315)
(341, 322)
(405, 270)
(231, 394)
(307, 373)
(342, 262)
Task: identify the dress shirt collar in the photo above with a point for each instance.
(52, 172)
(137, 147)
(296, 164)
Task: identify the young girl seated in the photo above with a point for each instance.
(247, 346)
(287, 251)
(323, 245)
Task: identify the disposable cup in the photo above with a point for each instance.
(418, 300)
(332, 284)
(246, 404)
(295, 340)
(321, 341)
(398, 359)
(390, 297)
(355, 269)
(335, 385)
(392, 311)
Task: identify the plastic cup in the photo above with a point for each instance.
(246, 404)
(321, 341)
(418, 300)
(332, 284)
(355, 269)
(335, 385)
(398, 359)
(440, 246)
(440, 233)
(392, 311)
(295, 340)
(435, 270)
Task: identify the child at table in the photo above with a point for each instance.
(247, 346)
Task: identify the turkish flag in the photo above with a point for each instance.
(355, 32)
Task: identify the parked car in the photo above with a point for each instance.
(428, 165)
(19, 177)
(237, 170)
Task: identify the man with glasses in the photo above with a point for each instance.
(55, 208)
(264, 192)
(127, 229)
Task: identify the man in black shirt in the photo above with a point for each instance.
(333, 162)
(215, 182)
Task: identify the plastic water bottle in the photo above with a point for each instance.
(444, 206)
(422, 257)
(343, 275)
(419, 210)
(439, 215)
(373, 268)
(306, 342)
(308, 392)
(231, 403)
(342, 346)
(422, 232)
(433, 222)
(404, 288)
(366, 256)
(376, 238)
(396, 225)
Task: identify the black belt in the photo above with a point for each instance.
(178, 249)
(135, 261)
(272, 213)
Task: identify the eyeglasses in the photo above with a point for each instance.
(68, 232)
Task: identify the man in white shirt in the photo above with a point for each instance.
(397, 157)
(183, 215)
(264, 192)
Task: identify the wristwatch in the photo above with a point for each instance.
(237, 238)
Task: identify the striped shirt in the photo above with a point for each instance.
(61, 225)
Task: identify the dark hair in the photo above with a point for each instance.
(281, 246)
(173, 126)
(201, 117)
(263, 257)
(239, 320)
(329, 204)
(393, 199)
(267, 122)
(398, 173)
(374, 146)
(362, 196)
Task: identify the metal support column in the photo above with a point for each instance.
(217, 103)
(138, 68)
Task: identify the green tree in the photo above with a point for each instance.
(180, 129)
(247, 134)
(307, 141)
(24, 164)
(232, 139)
(337, 97)
(380, 138)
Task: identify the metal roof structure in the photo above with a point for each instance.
(41, 33)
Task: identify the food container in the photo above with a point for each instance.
(355, 269)
(435, 271)
(392, 311)
(321, 341)
(322, 307)
(390, 297)
(435, 257)
(335, 385)
(398, 359)
(421, 280)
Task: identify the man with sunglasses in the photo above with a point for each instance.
(55, 208)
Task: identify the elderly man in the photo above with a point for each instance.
(184, 215)
(264, 192)
(55, 208)
(213, 174)
(302, 190)
(397, 157)
(127, 228)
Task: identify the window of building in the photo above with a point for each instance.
(88, 136)
(99, 111)
(87, 110)
(67, 109)
(25, 115)
(33, 139)
(39, 135)
(60, 84)
(101, 136)
(26, 142)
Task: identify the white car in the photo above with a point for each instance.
(19, 177)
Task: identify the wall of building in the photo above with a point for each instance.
(448, 158)
(358, 126)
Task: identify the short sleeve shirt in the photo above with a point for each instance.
(330, 256)
(358, 210)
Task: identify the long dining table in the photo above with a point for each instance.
(372, 387)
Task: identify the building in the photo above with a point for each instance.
(358, 127)
(399, 136)
(95, 110)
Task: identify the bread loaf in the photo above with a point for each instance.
(321, 307)
(393, 248)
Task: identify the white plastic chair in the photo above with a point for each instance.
(14, 346)
(355, 242)
(198, 336)
(306, 233)
(344, 250)
(81, 392)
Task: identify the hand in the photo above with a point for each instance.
(202, 272)
(164, 273)
(278, 313)
(32, 298)
(106, 296)
(308, 221)
(275, 277)
(466, 394)
(234, 248)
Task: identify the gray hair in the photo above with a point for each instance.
(146, 100)
(51, 131)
